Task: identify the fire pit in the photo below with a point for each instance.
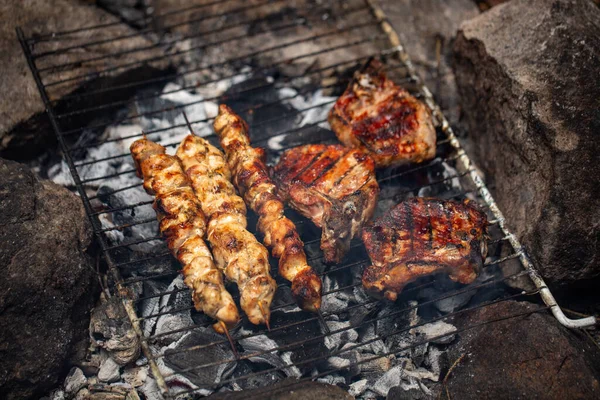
(281, 68)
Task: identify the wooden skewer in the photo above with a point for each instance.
(226, 331)
(262, 310)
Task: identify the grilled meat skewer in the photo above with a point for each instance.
(244, 260)
(251, 177)
(332, 185)
(420, 237)
(183, 225)
(377, 115)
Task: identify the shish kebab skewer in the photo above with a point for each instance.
(183, 225)
(252, 180)
(237, 252)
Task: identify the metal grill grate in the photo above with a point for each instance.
(329, 41)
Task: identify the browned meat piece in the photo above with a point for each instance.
(183, 225)
(251, 177)
(333, 186)
(377, 115)
(237, 252)
(420, 237)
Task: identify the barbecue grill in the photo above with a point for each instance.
(283, 86)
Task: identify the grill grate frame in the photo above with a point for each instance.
(381, 38)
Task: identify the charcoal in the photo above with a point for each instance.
(267, 93)
(177, 319)
(158, 262)
(261, 343)
(287, 336)
(347, 359)
(388, 322)
(218, 353)
(406, 376)
(285, 299)
(334, 341)
(376, 346)
(263, 379)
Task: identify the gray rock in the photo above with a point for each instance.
(527, 357)
(109, 371)
(48, 285)
(111, 329)
(423, 25)
(74, 381)
(530, 97)
(24, 126)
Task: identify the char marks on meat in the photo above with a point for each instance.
(419, 237)
(332, 185)
(377, 115)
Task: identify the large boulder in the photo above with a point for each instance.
(526, 357)
(528, 74)
(24, 126)
(48, 285)
(427, 29)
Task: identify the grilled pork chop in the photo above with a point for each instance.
(377, 115)
(333, 186)
(420, 237)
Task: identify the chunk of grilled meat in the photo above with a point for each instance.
(377, 115)
(251, 177)
(420, 237)
(332, 185)
(244, 260)
(183, 225)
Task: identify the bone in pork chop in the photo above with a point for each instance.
(377, 115)
(333, 186)
(419, 237)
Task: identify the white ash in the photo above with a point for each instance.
(436, 332)
(406, 376)
(357, 388)
(332, 379)
(335, 340)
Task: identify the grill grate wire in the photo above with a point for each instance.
(373, 34)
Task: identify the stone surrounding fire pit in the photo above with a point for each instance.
(530, 357)
(427, 28)
(528, 77)
(47, 285)
(25, 129)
